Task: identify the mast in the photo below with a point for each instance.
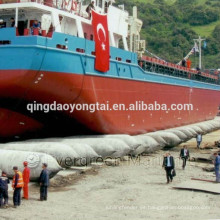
(199, 41)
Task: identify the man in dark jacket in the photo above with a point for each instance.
(4, 189)
(89, 8)
(184, 155)
(169, 165)
(184, 62)
(44, 182)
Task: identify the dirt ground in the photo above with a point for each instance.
(136, 189)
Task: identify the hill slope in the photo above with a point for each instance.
(169, 27)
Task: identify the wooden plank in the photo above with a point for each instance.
(201, 159)
(211, 181)
(200, 186)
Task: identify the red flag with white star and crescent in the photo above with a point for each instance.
(100, 29)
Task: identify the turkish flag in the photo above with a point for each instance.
(100, 29)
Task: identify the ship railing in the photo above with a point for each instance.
(35, 32)
(44, 2)
(71, 6)
(190, 73)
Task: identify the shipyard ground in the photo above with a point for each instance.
(136, 189)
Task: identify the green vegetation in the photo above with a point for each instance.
(205, 30)
(169, 27)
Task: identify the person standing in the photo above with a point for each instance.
(36, 26)
(199, 140)
(188, 63)
(183, 63)
(89, 8)
(1, 192)
(217, 165)
(169, 165)
(26, 178)
(17, 185)
(2, 24)
(12, 22)
(5, 181)
(184, 155)
(44, 182)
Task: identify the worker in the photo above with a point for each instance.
(89, 8)
(107, 4)
(183, 63)
(1, 192)
(217, 165)
(17, 185)
(12, 22)
(4, 190)
(44, 182)
(199, 140)
(199, 70)
(36, 26)
(26, 178)
(188, 63)
(2, 23)
(184, 155)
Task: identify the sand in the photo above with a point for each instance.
(132, 190)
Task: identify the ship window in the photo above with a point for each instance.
(118, 58)
(128, 61)
(100, 3)
(93, 53)
(2, 42)
(60, 46)
(80, 50)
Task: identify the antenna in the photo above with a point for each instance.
(199, 41)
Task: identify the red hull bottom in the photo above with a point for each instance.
(74, 88)
(14, 124)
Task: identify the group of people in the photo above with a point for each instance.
(20, 181)
(186, 63)
(91, 7)
(36, 25)
(169, 163)
(3, 24)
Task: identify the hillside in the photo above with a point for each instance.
(169, 27)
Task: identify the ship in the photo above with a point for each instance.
(59, 52)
